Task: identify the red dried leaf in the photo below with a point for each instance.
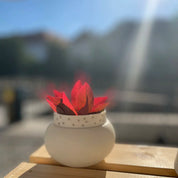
(82, 101)
(90, 97)
(54, 100)
(52, 105)
(74, 93)
(80, 98)
(65, 107)
(57, 93)
(99, 100)
(85, 98)
(84, 110)
(99, 107)
(99, 104)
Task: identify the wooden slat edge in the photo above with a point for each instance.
(136, 169)
(20, 170)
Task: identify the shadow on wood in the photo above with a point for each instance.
(47, 171)
(31, 170)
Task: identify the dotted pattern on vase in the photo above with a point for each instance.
(82, 121)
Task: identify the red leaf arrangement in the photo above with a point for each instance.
(82, 101)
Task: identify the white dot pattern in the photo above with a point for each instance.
(80, 121)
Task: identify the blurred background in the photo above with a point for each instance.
(127, 49)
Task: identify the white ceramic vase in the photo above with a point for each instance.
(80, 141)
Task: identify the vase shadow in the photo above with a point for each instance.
(60, 171)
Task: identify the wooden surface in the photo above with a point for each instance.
(31, 170)
(150, 160)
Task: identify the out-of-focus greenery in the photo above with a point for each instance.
(14, 60)
(104, 58)
(57, 65)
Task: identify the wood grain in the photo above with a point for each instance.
(31, 170)
(140, 159)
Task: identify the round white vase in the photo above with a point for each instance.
(80, 141)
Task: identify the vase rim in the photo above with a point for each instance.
(98, 113)
(80, 121)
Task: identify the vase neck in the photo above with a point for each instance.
(80, 121)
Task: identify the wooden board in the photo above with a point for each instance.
(31, 170)
(150, 160)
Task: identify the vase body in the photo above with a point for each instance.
(80, 141)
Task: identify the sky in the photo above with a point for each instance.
(67, 18)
